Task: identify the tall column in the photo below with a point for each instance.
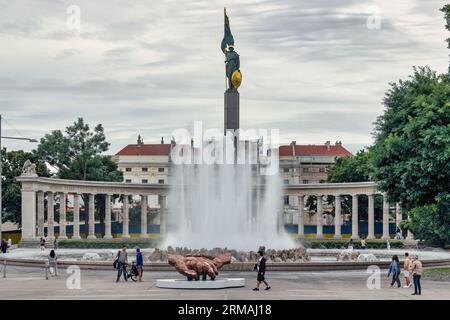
(355, 218)
(50, 217)
(319, 218)
(107, 217)
(337, 217)
(76, 217)
(398, 214)
(28, 214)
(385, 218)
(371, 214)
(91, 217)
(162, 216)
(301, 223)
(126, 217)
(40, 214)
(144, 205)
(62, 216)
(409, 234)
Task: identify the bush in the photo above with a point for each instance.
(343, 244)
(107, 244)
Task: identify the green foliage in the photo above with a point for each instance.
(356, 168)
(107, 244)
(411, 154)
(432, 221)
(12, 164)
(446, 10)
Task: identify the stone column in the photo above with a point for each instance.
(319, 233)
(162, 216)
(28, 215)
(280, 217)
(50, 217)
(107, 217)
(337, 217)
(371, 214)
(385, 218)
(301, 224)
(91, 217)
(62, 216)
(398, 214)
(76, 217)
(409, 234)
(355, 218)
(125, 217)
(40, 214)
(144, 205)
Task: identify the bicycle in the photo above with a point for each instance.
(132, 274)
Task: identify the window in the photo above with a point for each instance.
(128, 169)
(305, 169)
(285, 169)
(321, 169)
(128, 181)
(305, 181)
(161, 181)
(160, 169)
(286, 200)
(144, 181)
(286, 181)
(144, 169)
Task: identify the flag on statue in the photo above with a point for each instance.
(228, 39)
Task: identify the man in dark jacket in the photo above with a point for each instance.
(260, 267)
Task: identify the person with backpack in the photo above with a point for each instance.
(122, 260)
(416, 269)
(394, 268)
(139, 263)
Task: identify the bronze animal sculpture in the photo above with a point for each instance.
(194, 266)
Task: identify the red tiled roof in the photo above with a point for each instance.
(314, 150)
(145, 150)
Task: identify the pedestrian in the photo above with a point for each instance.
(350, 244)
(399, 233)
(55, 244)
(363, 243)
(122, 260)
(407, 264)
(9, 244)
(394, 268)
(52, 258)
(416, 270)
(42, 243)
(3, 246)
(388, 244)
(139, 263)
(260, 267)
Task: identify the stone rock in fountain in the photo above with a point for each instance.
(347, 255)
(91, 256)
(367, 258)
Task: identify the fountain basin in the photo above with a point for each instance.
(199, 285)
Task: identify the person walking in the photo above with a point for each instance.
(416, 270)
(407, 264)
(122, 260)
(3, 246)
(139, 263)
(55, 244)
(260, 267)
(394, 268)
(42, 243)
(52, 259)
(9, 244)
(363, 243)
(350, 244)
(399, 233)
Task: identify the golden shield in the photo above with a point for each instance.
(236, 78)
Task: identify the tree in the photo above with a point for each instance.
(412, 147)
(77, 154)
(446, 10)
(12, 164)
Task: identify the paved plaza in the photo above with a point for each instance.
(30, 283)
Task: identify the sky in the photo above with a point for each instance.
(315, 70)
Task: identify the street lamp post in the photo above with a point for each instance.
(1, 172)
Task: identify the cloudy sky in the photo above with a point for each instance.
(313, 69)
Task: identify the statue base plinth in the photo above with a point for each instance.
(199, 285)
